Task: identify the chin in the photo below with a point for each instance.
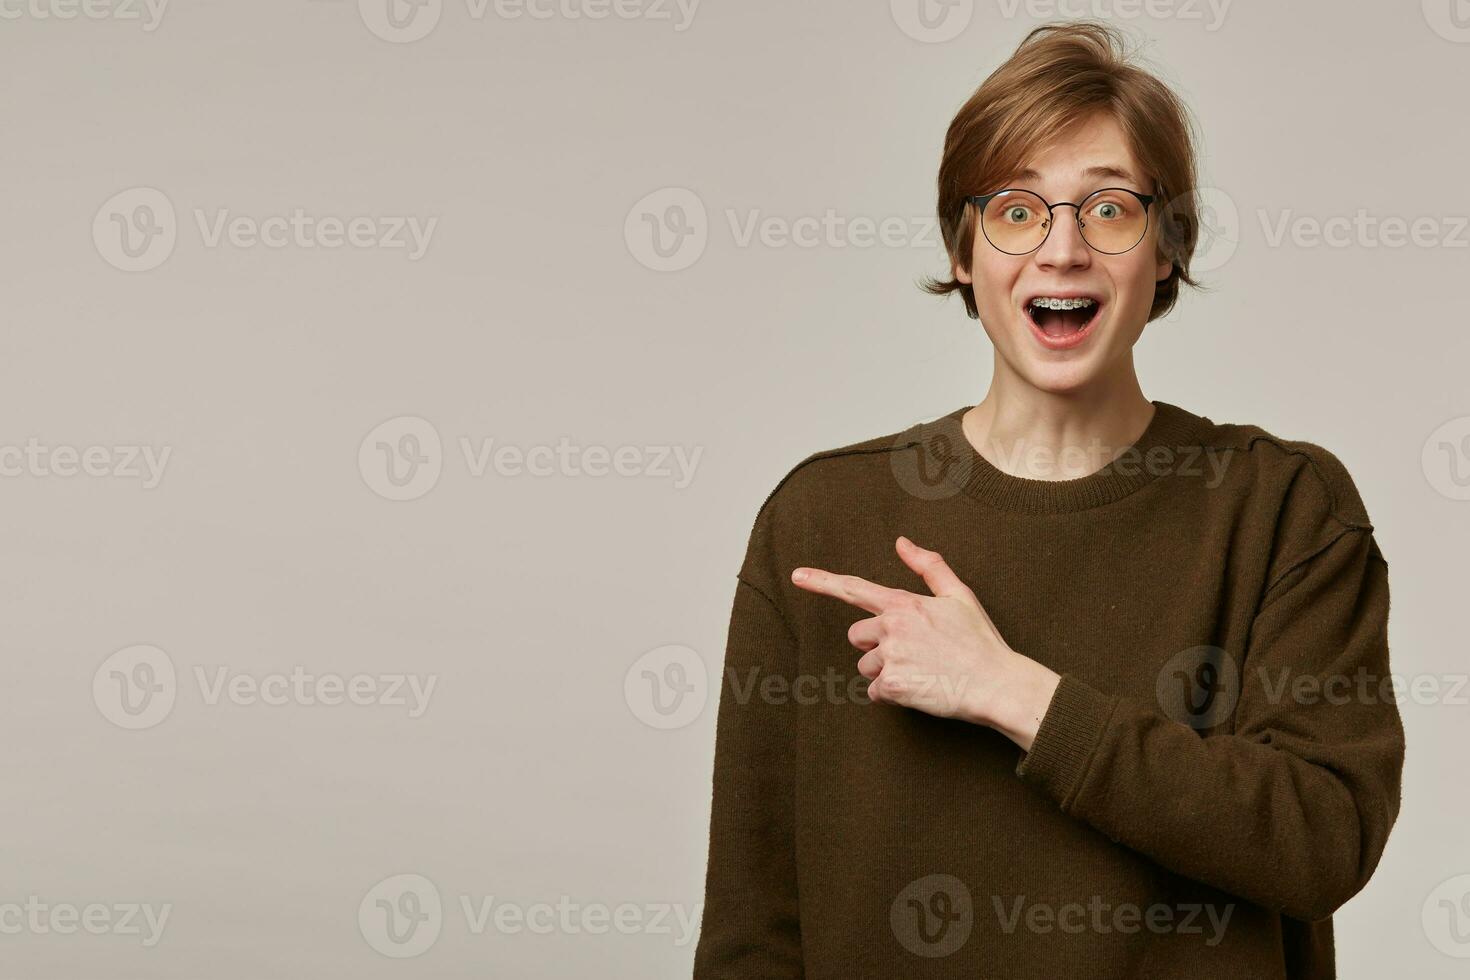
(1056, 379)
(1058, 376)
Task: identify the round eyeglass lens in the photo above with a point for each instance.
(1015, 221)
(1112, 221)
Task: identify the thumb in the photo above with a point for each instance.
(934, 570)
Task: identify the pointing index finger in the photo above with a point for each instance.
(859, 592)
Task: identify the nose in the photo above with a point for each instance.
(1064, 247)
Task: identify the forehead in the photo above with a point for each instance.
(1094, 150)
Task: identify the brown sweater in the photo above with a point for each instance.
(1216, 774)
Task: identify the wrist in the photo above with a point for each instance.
(1021, 699)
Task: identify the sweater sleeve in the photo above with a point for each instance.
(750, 928)
(1289, 807)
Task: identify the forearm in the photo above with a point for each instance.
(1254, 819)
(1287, 803)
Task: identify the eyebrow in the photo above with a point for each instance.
(1107, 172)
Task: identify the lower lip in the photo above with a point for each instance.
(1068, 341)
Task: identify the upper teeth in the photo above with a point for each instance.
(1052, 303)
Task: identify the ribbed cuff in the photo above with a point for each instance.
(1069, 733)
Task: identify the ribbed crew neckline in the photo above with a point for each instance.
(1172, 428)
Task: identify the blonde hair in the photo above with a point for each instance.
(1060, 75)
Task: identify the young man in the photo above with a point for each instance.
(1070, 683)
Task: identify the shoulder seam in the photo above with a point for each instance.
(829, 454)
(780, 616)
(1347, 529)
(1333, 505)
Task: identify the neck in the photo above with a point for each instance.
(1027, 432)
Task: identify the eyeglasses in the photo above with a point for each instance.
(1112, 220)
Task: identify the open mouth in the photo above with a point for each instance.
(1062, 321)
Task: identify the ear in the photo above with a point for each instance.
(960, 274)
(1162, 269)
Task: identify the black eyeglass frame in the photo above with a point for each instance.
(981, 200)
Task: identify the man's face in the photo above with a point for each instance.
(1061, 351)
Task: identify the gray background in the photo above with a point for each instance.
(537, 314)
